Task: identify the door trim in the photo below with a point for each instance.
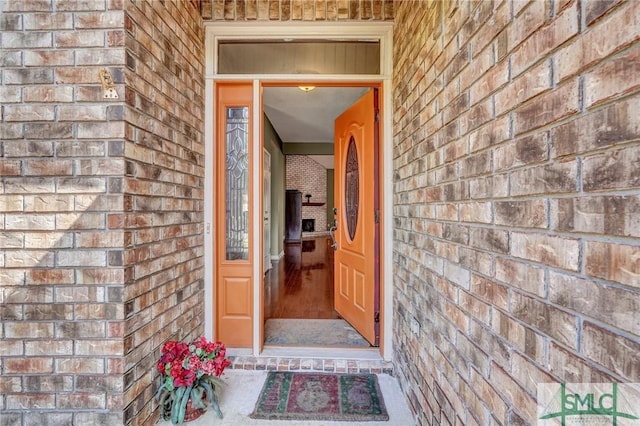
(381, 31)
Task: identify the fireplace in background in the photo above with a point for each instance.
(308, 225)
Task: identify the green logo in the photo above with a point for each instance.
(589, 403)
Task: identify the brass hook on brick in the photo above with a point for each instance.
(108, 87)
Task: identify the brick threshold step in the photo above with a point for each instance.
(311, 359)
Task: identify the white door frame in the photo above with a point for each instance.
(216, 31)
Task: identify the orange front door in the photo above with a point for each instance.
(356, 278)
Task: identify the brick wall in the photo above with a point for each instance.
(309, 177)
(100, 205)
(516, 200)
(61, 282)
(297, 10)
(164, 191)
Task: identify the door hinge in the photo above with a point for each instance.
(376, 317)
(376, 216)
(376, 115)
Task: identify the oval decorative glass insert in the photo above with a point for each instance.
(352, 188)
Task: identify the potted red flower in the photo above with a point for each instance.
(190, 375)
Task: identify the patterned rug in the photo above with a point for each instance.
(289, 395)
(305, 332)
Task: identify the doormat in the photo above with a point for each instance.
(288, 395)
(312, 333)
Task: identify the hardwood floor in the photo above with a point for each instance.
(301, 284)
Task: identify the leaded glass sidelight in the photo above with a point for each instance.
(352, 188)
(237, 183)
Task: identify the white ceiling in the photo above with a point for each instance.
(301, 116)
(325, 161)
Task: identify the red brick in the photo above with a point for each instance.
(489, 396)
(10, 94)
(527, 21)
(475, 212)
(494, 186)
(491, 134)
(515, 396)
(570, 367)
(528, 85)
(27, 76)
(76, 39)
(561, 29)
(479, 65)
(610, 305)
(10, 168)
(26, 40)
(48, 94)
(488, 31)
(546, 249)
(522, 151)
(610, 215)
(526, 214)
(550, 320)
(612, 170)
(28, 365)
(80, 365)
(614, 352)
(491, 81)
(613, 262)
(608, 36)
(614, 78)
(520, 275)
(518, 336)
(547, 108)
(28, 113)
(494, 293)
(44, 58)
(614, 124)
(475, 307)
(492, 343)
(477, 115)
(32, 6)
(108, 19)
(594, 9)
(558, 177)
(528, 373)
(26, 401)
(48, 21)
(48, 168)
(81, 401)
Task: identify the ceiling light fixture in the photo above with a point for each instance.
(306, 89)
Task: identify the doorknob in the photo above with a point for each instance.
(332, 230)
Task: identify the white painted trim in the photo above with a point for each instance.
(258, 273)
(387, 218)
(382, 31)
(277, 257)
(209, 209)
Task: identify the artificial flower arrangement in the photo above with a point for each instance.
(190, 376)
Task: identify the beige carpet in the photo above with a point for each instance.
(312, 333)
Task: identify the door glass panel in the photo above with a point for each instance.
(352, 189)
(237, 183)
(298, 57)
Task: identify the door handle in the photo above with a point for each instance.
(332, 230)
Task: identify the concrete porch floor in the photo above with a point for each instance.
(241, 392)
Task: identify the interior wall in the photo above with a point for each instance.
(516, 195)
(309, 177)
(273, 144)
(330, 196)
